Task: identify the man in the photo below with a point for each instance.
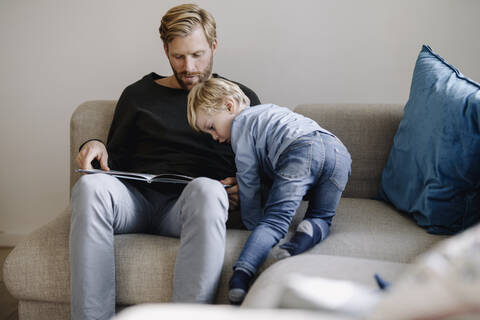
(150, 133)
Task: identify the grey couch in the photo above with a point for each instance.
(367, 235)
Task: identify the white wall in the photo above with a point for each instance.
(56, 54)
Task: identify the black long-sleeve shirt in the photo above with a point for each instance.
(150, 134)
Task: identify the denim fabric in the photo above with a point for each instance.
(318, 163)
(259, 136)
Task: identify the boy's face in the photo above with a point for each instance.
(217, 124)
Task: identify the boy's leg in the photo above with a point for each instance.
(325, 197)
(101, 206)
(292, 179)
(199, 218)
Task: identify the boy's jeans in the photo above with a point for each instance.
(318, 163)
(103, 206)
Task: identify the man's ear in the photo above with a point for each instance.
(214, 46)
(165, 48)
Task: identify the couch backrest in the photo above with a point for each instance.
(91, 120)
(367, 131)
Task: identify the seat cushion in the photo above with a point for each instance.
(372, 229)
(209, 312)
(442, 283)
(38, 268)
(266, 290)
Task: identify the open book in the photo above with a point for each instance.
(147, 177)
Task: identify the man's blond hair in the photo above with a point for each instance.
(210, 96)
(180, 21)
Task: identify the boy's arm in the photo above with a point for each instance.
(250, 200)
(248, 179)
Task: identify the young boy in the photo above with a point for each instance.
(293, 151)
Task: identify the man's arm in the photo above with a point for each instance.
(118, 143)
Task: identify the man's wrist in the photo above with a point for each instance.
(88, 142)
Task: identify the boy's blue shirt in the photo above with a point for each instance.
(258, 136)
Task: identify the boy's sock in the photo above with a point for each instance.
(238, 285)
(307, 235)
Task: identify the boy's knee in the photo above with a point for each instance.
(274, 230)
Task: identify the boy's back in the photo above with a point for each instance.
(270, 129)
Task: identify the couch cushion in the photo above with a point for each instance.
(209, 312)
(442, 283)
(266, 290)
(432, 171)
(38, 268)
(373, 229)
(367, 131)
(43, 310)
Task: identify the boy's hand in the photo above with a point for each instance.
(232, 192)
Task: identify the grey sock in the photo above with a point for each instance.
(306, 227)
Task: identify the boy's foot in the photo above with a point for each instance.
(306, 236)
(238, 286)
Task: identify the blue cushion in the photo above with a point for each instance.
(433, 170)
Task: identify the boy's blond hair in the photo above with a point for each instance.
(180, 21)
(210, 95)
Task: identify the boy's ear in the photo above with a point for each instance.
(230, 104)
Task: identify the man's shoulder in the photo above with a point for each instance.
(142, 82)
(145, 89)
(254, 100)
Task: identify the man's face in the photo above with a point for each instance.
(191, 58)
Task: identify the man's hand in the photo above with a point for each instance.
(93, 150)
(232, 192)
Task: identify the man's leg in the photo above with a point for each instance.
(199, 218)
(101, 206)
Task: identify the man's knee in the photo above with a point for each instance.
(90, 193)
(206, 189)
(88, 183)
(209, 196)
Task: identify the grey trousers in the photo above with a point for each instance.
(102, 206)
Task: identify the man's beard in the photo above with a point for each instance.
(202, 76)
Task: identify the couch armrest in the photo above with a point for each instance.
(40, 264)
(90, 120)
